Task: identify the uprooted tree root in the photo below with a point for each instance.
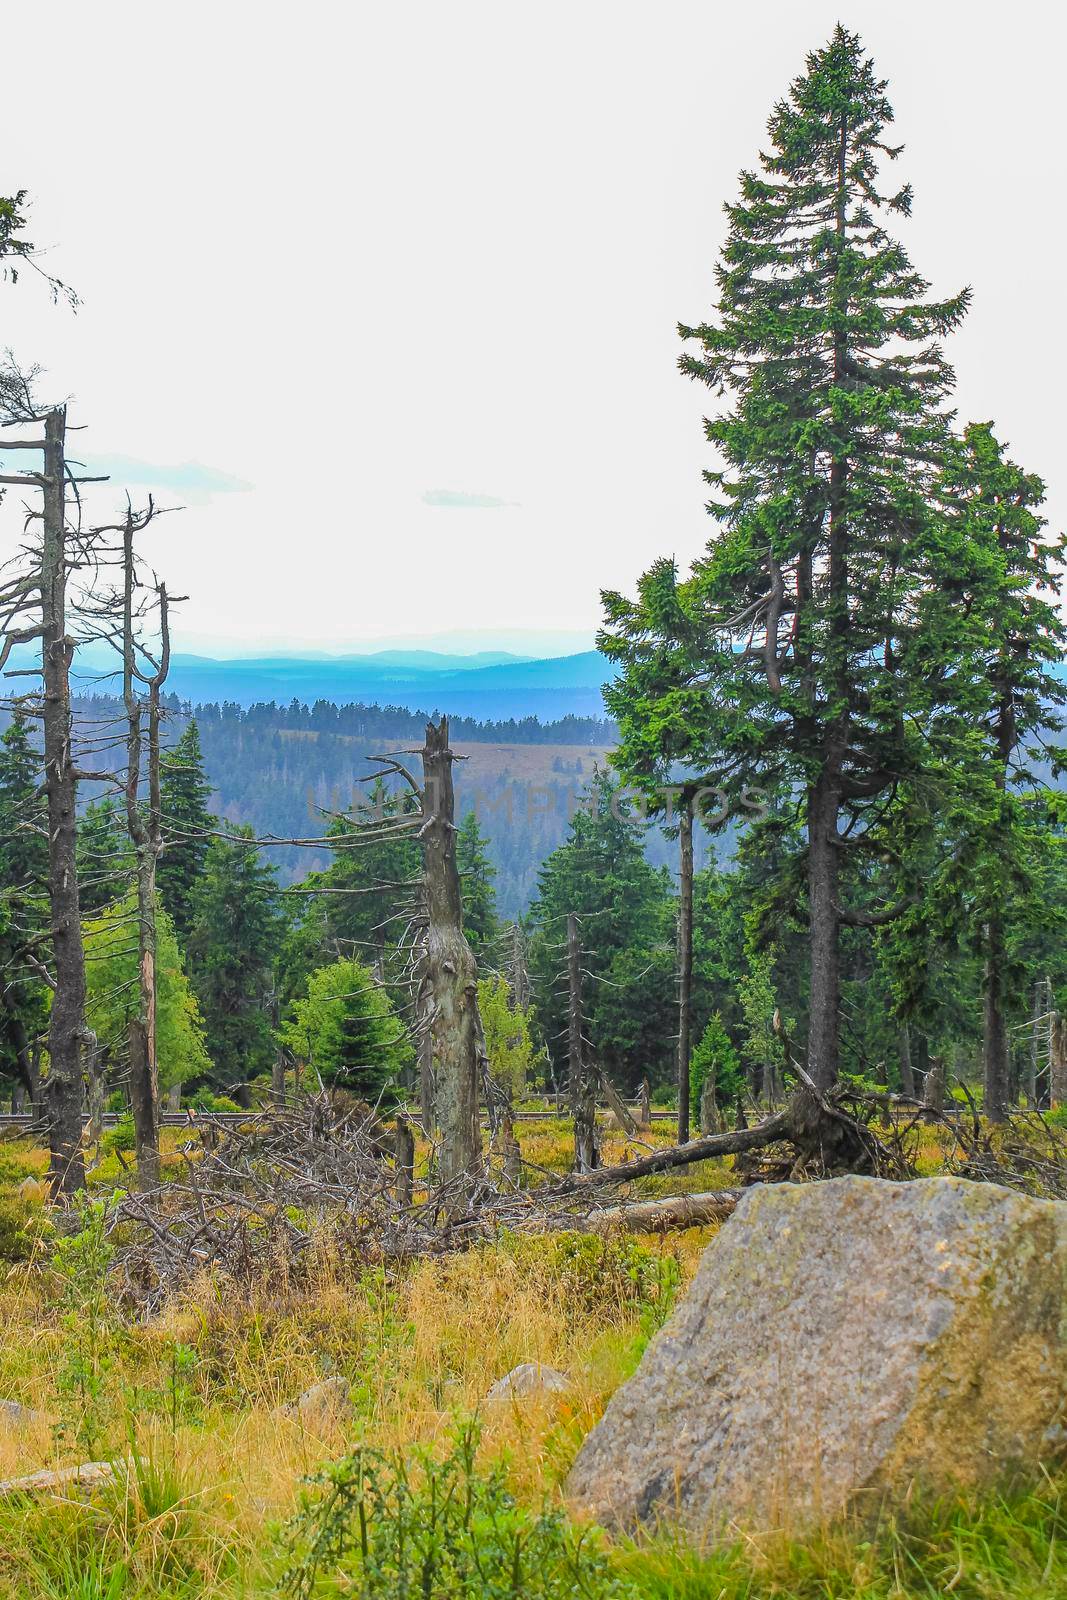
(255, 1202)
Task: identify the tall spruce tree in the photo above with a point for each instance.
(1002, 819)
(187, 827)
(813, 647)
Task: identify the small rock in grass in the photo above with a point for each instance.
(16, 1415)
(322, 1403)
(528, 1378)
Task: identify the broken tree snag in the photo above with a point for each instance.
(685, 959)
(644, 1104)
(451, 981)
(934, 1092)
(68, 1035)
(662, 1216)
(404, 1162)
(580, 1081)
(616, 1106)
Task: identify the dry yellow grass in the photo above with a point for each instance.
(418, 1347)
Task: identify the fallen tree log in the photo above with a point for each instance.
(734, 1143)
(663, 1216)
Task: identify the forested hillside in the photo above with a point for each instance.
(281, 770)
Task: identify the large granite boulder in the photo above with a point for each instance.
(841, 1340)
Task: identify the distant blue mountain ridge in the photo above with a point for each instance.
(488, 685)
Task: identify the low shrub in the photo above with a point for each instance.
(381, 1525)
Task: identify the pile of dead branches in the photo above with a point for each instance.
(254, 1202)
(252, 1198)
(258, 1203)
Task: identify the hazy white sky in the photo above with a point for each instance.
(369, 262)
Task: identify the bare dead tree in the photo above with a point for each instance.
(582, 1083)
(146, 834)
(451, 979)
(685, 960)
(520, 972)
(34, 604)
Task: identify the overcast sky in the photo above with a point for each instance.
(386, 296)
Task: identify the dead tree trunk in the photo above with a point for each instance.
(520, 976)
(685, 961)
(451, 982)
(995, 1031)
(581, 1082)
(907, 1074)
(404, 1162)
(709, 1105)
(1034, 1042)
(644, 1104)
(68, 1035)
(278, 1065)
(426, 1095)
(146, 835)
(1058, 1061)
(96, 1084)
(617, 1106)
(934, 1089)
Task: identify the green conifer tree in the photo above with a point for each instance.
(476, 877)
(24, 904)
(815, 646)
(105, 860)
(187, 828)
(234, 937)
(626, 916)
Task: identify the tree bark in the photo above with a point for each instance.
(520, 977)
(619, 1109)
(823, 875)
(1034, 1051)
(907, 1074)
(1058, 1061)
(661, 1216)
(685, 961)
(582, 1093)
(934, 1088)
(995, 1032)
(769, 1131)
(404, 1162)
(68, 1035)
(709, 1105)
(644, 1104)
(824, 798)
(146, 838)
(451, 982)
